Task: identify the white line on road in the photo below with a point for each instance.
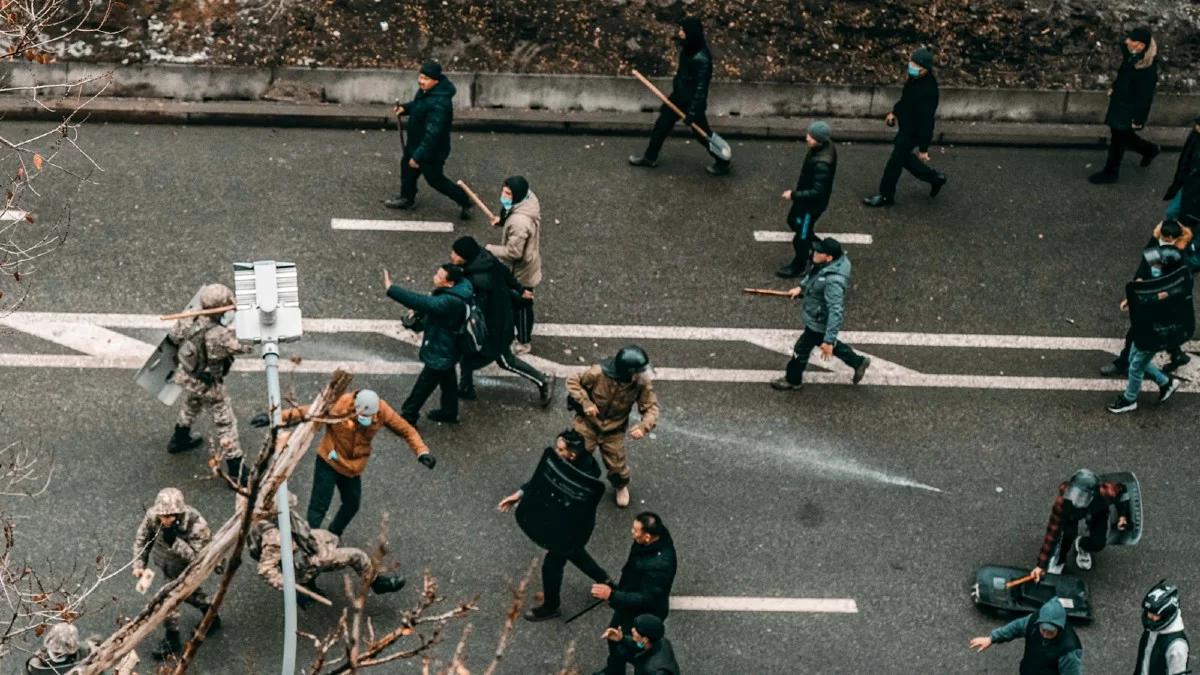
(391, 225)
(776, 236)
(700, 603)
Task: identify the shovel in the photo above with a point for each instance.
(716, 145)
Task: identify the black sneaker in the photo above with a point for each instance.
(399, 203)
(641, 160)
(546, 391)
(1114, 369)
(542, 613)
(1168, 390)
(788, 272)
(466, 212)
(1148, 158)
(718, 169)
(467, 393)
(782, 384)
(861, 370)
(878, 201)
(1103, 178)
(1122, 405)
(938, 183)
(442, 416)
(1176, 362)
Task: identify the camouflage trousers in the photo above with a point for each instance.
(198, 599)
(330, 557)
(197, 397)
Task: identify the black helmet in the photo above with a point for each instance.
(1166, 257)
(1163, 602)
(628, 362)
(1082, 488)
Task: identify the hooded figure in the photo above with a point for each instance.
(1051, 646)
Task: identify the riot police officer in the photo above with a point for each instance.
(1163, 649)
(1083, 498)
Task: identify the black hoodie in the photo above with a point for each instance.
(690, 85)
(430, 115)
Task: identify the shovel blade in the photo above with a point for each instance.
(720, 147)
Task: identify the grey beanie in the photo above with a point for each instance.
(820, 131)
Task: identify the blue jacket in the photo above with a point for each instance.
(825, 298)
(445, 310)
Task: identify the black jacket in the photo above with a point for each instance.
(689, 88)
(1133, 90)
(444, 311)
(916, 109)
(430, 115)
(1187, 178)
(495, 287)
(658, 660)
(646, 579)
(815, 185)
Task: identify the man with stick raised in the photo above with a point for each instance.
(689, 92)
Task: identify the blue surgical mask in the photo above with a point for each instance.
(1155, 272)
(365, 421)
(506, 202)
(913, 71)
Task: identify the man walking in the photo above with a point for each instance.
(1163, 649)
(1183, 195)
(645, 585)
(602, 397)
(172, 534)
(440, 316)
(430, 115)
(1051, 646)
(645, 647)
(560, 514)
(914, 113)
(344, 450)
(1129, 102)
(495, 288)
(810, 197)
(824, 291)
(689, 91)
(520, 247)
(206, 348)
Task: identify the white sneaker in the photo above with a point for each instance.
(1083, 559)
(522, 348)
(1054, 567)
(622, 496)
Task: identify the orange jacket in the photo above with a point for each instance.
(352, 441)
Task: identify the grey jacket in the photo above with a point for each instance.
(520, 239)
(825, 298)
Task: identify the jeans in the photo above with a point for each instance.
(552, 572)
(1122, 139)
(804, 225)
(427, 381)
(1141, 364)
(434, 176)
(1175, 206)
(662, 128)
(804, 346)
(325, 479)
(901, 159)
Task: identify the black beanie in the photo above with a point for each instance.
(519, 187)
(432, 69)
(693, 32)
(923, 57)
(650, 627)
(1140, 34)
(466, 247)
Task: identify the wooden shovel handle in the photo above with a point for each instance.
(478, 202)
(657, 92)
(315, 596)
(1017, 582)
(198, 312)
(767, 291)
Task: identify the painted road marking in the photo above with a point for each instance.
(700, 603)
(103, 348)
(776, 236)
(391, 225)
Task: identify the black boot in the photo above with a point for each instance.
(790, 271)
(936, 186)
(642, 160)
(542, 613)
(183, 440)
(465, 212)
(169, 647)
(234, 467)
(399, 203)
(387, 583)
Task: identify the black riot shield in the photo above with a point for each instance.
(991, 592)
(1132, 534)
(1161, 310)
(558, 510)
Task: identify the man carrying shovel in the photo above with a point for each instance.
(688, 100)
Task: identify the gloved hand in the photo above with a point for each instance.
(260, 420)
(427, 459)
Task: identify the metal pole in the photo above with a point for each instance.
(274, 404)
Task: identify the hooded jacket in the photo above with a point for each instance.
(815, 184)
(495, 287)
(430, 115)
(520, 241)
(1133, 89)
(1061, 656)
(689, 87)
(445, 310)
(825, 297)
(349, 441)
(916, 109)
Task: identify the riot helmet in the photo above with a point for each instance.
(1161, 601)
(629, 361)
(1166, 258)
(1081, 488)
(168, 502)
(215, 295)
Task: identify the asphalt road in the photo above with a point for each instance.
(805, 494)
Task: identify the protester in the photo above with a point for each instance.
(914, 113)
(602, 398)
(645, 585)
(430, 116)
(810, 197)
(646, 646)
(1051, 646)
(824, 291)
(1183, 195)
(440, 316)
(1129, 101)
(520, 247)
(689, 91)
(1163, 649)
(495, 288)
(1082, 498)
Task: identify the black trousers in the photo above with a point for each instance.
(1096, 539)
(523, 320)
(508, 361)
(662, 128)
(805, 344)
(325, 479)
(1121, 140)
(434, 176)
(427, 381)
(902, 159)
(804, 225)
(552, 572)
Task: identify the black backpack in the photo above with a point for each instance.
(472, 335)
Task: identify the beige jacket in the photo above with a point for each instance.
(614, 400)
(520, 241)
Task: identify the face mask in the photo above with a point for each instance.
(1156, 272)
(365, 421)
(640, 645)
(506, 202)
(913, 71)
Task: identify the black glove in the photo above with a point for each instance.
(428, 460)
(260, 420)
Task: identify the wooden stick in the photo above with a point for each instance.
(650, 85)
(315, 596)
(767, 291)
(198, 312)
(1017, 582)
(478, 202)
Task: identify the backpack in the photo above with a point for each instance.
(193, 352)
(472, 335)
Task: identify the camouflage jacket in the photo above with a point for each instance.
(206, 349)
(189, 536)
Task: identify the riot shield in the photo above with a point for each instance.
(991, 591)
(157, 376)
(1161, 310)
(558, 510)
(1132, 534)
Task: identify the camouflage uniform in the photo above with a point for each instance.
(313, 551)
(206, 351)
(174, 548)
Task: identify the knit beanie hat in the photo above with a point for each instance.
(1140, 34)
(519, 187)
(466, 247)
(650, 627)
(432, 69)
(923, 57)
(829, 246)
(820, 131)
